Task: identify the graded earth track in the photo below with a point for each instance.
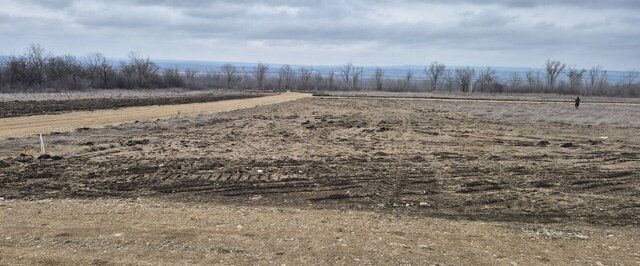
(24, 126)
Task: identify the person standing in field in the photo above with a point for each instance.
(577, 102)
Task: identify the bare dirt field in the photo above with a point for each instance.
(483, 96)
(153, 231)
(509, 172)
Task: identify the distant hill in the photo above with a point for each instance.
(395, 72)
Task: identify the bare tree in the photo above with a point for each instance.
(531, 79)
(99, 70)
(16, 72)
(172, 78)
(630, 77)
(64, 72)
(261, 72)
(128, 72)
(286, 76)
(190, 76)
(317, 80)
(378, 77)
(449, 80)
(3, 67)
(36, 59)
(465, 78)
(434, 72)
(74, 72)
(603, 83)
(594, 75)
(56, 68)
(346, 72)
(281, 75)
(486, 78)
(244, 78)
(106, 72)
(229, 73)
(305, 77)
(92, 67)
(143, 68)
(575, 78)
(515, 81)
(331, 79)
(534, 80)
(356, 77)
(214, 78)
(407, 80)
(554, 68)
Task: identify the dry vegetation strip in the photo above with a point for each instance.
(23, 126)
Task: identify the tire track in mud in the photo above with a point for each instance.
(388, 186)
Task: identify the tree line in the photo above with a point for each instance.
(40, 70)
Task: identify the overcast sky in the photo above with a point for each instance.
(365, 32)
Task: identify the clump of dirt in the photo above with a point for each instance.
(24, 158)
(136, 142)
(543, 143)
(595, 142)
(49, 157)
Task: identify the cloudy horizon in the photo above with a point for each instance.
(500, 33)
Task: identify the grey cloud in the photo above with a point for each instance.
(486, 18)
(53, 4)
(607, 4)
(492, 25)
(334, 24)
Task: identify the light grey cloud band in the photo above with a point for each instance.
(486, 32)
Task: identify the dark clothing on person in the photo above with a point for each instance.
(577, 102)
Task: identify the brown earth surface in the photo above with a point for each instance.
(159, 232)
(401, 158)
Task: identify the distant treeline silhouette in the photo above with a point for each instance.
(38, 70)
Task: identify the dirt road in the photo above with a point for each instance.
(24, 126)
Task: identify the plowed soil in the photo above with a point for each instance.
(415, 158)
(48, 107)
(39, 124)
